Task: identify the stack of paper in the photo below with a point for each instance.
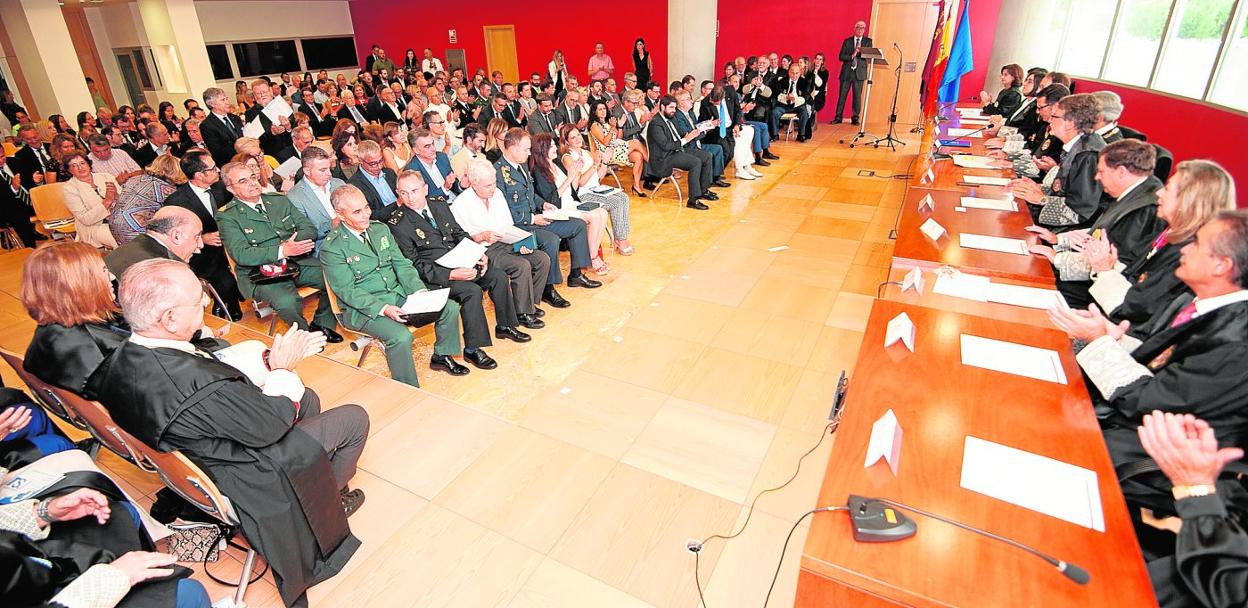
(426, 301)
(290, 168)
(970, 161)
(1027, 297)
(1034, 482)
(1011, 358)
(992, 243)
(994, 204)
(512, 235)
(986, 181)
(465, 255)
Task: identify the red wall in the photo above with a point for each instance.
(806, 27)
(1186, 128)
(540, 29)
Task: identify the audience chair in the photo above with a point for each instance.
(9, 239)
(10, 148)
(673, 177)
(42, 392)
(361, 343)
(1165, 161)
(51, 212)
(261, 308)
(593, 149)
(791, 119)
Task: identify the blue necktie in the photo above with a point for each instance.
(723, 111)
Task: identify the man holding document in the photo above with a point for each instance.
(1191, 357)
(273, 114)
(373, 281)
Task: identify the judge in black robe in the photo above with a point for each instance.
(278, 477)
(1209, 567)
(1153, 283)
(66, 356)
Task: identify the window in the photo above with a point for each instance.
(1192, 46)
(220, 60)
(328, 53)
(268, 57)
(1136, 40)
(1083, 47)
(1230, 88)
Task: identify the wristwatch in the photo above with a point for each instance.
(1181, 492)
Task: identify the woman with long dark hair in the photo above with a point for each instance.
(1010, 97)
(643, 65)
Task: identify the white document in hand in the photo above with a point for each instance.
(555, 214)
(985, 180)
(426, 301)
(964, 132)
(1034, 482)
(993, 204)
(932, 229)
(512, 235)
(289, 168)
(962, 285)
(465, 255)
(992, 243)
(970, 161)
(253, 128)
(1027, 297)
(277, 109)
(1011, 358)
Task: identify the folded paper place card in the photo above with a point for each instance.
(927, 203)
(986, 181)
(964, 132)
(932, 229)
(1034, 482)
(900, 328)
(913, 280)
(885, 442)
(929, 176)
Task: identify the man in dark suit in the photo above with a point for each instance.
(203, 194)
(667, 152)
(172, 233)
(386, 108)
(513, 113)
(495, 109)
(352, 109)
(33, 160)
(376, 181)
(791, 97)
(544, 119)
(300, 139)
(276, 135)
(425, 230)
(687, 123)
(192, 137)
(721, 104)
(570, 111)
(157, 144)
(853, 71)
(15, 209)
(220, 127)
(434, 166)
(319, 118)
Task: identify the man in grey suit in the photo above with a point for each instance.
(570, 111)
(311, 194)
(544, 120)
(853, 71)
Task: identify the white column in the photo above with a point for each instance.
(691, 26)
(46, 53)
(177, 41)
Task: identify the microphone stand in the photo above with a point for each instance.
(888, 139)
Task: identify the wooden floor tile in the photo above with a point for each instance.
(594, 412)
(554, 585)
(791, 299)
(643, 358)
(682, 318)
(851, 311)
(768, 335)
(745, 568)
(740, 384)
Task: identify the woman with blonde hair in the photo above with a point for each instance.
(557, 70)
(494, 132)
(249, 153)
(142, 196)
(1196, 192)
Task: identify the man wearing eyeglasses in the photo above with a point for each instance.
(263, 230)
(204, 194)
(375, 180)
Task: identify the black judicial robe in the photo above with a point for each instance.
(278, 477)
(1153, 285)
(1199, 367)
(66, 356)
(1210, 563)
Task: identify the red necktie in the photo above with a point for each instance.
(1161, 241)
(1184, 315)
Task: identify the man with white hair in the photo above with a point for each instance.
(173, 233)
(260, 434)
(220, 127)
(853, 71)
(1111, 111)
(276, 135)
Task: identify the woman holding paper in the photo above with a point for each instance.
(558, 191)
(589, 188)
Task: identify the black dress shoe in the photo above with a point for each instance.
(854, 121)
(352, 500)
(697, 204)
(710, 196)
(538, 312)
(447, 364)
(762, 163)
(530, 321)
(479, 358)
(838, 120)
(802, 139)
(581, 280)
(554, 299)
(769, 156)
(331, 336)
(720, 183)
(511, 333)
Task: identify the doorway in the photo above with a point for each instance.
(910, 24)
(130, 76)
(500, 51)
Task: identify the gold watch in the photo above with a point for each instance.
(1181, 492)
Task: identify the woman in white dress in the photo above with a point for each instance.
(589, 187)
(558, 189)
(396, 151)
(90, 197)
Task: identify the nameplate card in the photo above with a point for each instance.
(913, 280)
(901, 328)
(885, 442)
(932, 229)
(928, 177)
(927, 203)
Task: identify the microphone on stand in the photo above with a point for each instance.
(937, 155)
(874, 521)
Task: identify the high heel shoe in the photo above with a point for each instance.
(623, 250)
(638, 194)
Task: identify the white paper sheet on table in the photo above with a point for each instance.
(512, 235)
(932, 229)
(253, 128)
(961, 285)
(985, 180)
(1011, 358)
(1019, 295)
(289, 168)
(1034, 482)
(465, 255)
(992, 243)
(970, 112)
(993, 204)
(970, 161)
(974, 120)
(955, 132)
(426, 300)
(276, 109)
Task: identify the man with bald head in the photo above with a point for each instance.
(853, 71)
(173, 233)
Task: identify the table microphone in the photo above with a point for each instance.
(873, 521)
(941, 143)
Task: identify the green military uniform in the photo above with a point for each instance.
(368, 276)
(252, 238)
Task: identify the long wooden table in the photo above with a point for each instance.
(939, 402)
(992, 310)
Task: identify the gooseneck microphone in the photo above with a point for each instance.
(944, 142)
(874, 522)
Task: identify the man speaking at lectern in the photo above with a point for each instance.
(853, 71)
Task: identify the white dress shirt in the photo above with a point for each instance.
(476, 216)
(274, 383)
(204, 197)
